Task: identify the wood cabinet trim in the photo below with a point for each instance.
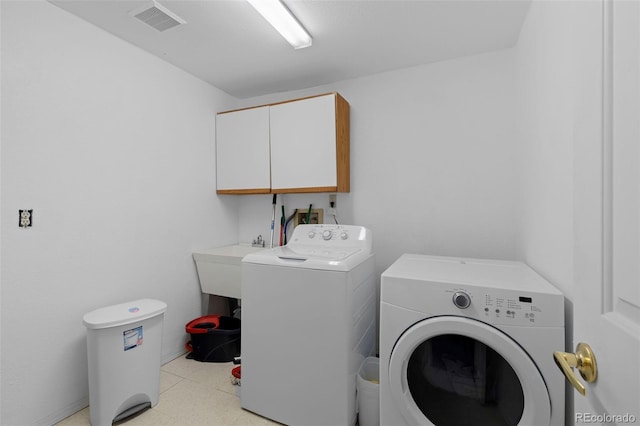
(280, 102)
(343, 159)
(243, 191)
(307, 190)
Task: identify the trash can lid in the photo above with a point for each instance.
(124, 313)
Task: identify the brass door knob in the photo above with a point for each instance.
(584, 360)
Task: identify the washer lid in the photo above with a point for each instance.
(325, 247)
(459, 371)
(329, 254)
(124, 313)
(310, 257)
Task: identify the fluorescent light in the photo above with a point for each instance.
(283, 20)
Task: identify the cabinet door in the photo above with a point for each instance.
(303, 145)
(242, 151)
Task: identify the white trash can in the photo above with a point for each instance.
(368, 386)
(124, 350)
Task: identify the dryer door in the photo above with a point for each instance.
(458, 371)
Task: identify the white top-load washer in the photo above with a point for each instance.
(308, 321)
(469, 342)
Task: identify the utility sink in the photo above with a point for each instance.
(219, 269)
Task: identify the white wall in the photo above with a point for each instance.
(545, 125)
(545, 132)
(557, 90)
(433, 154)
(113, 149)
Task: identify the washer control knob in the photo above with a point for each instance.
(327, 234)
(461, 299)
(344, 235)
(312, 234)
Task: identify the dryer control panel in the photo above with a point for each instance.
(502, 307)
(495, 292)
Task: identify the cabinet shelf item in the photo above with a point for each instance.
(296, 146)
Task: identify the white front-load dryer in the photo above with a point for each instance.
(469, 342)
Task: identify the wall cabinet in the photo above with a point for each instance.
(295, 146)
(242, 151)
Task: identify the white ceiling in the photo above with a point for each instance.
(228, 44)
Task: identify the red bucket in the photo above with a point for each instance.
(214, 338)
(203, 324)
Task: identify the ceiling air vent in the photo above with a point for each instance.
(157, 16)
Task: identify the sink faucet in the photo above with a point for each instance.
(258, 242)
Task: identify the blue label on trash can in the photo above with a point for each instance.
(132, 338)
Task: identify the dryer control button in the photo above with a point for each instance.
(327, 234)
(461, 299)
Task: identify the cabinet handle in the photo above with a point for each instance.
(584, 360)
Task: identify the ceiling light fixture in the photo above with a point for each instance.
(281, 18)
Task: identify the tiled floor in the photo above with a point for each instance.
(191, 393)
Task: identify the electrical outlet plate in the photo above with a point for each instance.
(331, 211)
(301, 216)
(25, 218)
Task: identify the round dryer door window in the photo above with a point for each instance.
(459, 371)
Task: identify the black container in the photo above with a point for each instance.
(214, 338)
